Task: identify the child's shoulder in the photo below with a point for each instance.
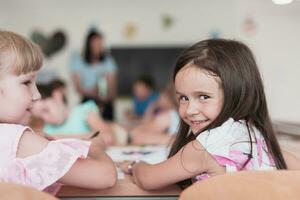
(10, 137)
(90, 104)
(15, 138)
(11, 127)
(11, 131)
(86, 107)
(30, 143)
(229, 132)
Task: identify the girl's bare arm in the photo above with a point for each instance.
(96, 172)
(190, 161)
(293, 163)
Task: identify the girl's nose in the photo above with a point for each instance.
(193, 108)
(35, 94)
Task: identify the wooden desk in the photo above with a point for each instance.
(124, 189)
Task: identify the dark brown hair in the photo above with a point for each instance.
(244, 96)
(87, 53)
(46, 90)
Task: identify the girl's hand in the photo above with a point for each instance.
(93, 119)
(124, 166)
(127, 166)
(97, 123)
(98, 141)
(97, 147)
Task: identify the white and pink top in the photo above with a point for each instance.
(229, 145)
(42, 170)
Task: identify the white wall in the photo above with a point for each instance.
(277, 49)
(275, 44)
(194, 18)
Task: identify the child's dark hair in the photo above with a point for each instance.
(244, 96)
(57, 83)
(46, 89)
(169, 90)
(87, 54)
(146, 79)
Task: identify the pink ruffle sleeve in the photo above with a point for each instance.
(44, 169)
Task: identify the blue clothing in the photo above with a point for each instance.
(140, 106)
(91, 73)
(76, 123)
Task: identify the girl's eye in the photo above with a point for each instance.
(27, 82)
(203, 97)
(183, 99)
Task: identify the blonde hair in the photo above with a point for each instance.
(18, 55)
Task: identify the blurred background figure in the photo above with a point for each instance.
(143, 96)
(60, 121)
(160, 122)
(94, 74)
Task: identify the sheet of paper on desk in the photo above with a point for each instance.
(150, 154)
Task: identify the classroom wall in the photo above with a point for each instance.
(277, 49)
(274, 43)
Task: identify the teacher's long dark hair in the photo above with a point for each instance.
(87, 53)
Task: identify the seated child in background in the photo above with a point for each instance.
(79, 122)
(161, 121)
(143, 96)
(28, 158)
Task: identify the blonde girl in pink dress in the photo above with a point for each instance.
(28, 158)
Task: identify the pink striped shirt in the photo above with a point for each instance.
(229, 145)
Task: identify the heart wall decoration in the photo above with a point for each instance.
(49, 44)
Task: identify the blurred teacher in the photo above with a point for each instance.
(94, 74)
